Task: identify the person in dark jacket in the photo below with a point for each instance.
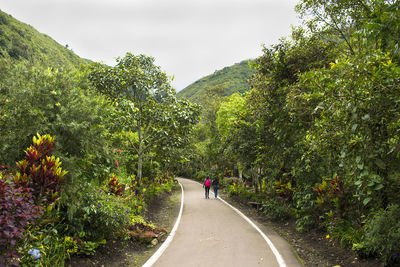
(206, 186)
(215, 184)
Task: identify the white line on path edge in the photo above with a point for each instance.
(278, 256)
(162, 248)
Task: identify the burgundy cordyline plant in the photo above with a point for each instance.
(17, 211)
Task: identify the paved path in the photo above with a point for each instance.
(211, 233)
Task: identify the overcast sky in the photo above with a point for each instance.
(189, 38)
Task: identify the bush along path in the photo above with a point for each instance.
(47, 217)
(133, 252)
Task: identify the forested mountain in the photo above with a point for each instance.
(22, 42)
(234, 78)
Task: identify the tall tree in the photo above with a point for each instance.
(147, 101)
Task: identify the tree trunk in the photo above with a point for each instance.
(255, 178)
(240, 170)
(140, 157)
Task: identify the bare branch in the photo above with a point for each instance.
(133, 145)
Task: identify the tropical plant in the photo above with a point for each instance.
(17, 211)
(41, 171)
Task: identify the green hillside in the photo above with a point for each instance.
(234, 78)
(22, 42)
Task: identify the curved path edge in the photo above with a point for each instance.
(278, 256)
(166, 243)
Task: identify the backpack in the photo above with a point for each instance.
(215, 182)
(207, 183)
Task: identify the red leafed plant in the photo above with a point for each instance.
(41, 171)
(17, 211)
(115, 186)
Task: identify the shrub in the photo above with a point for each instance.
(94, 213)
(227, 173)
(275, 209)
(284, 190)
(115, 187)
(345, 231)
(237, 189)
(382, 236)
(201, 175)
(307, 211)
(52, 249)
(161, 183)
(41, 171)
(17, 211)
(230, 180)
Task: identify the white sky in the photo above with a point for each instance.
(188, 38)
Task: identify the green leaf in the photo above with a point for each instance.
(366, 201)
(378, 187)
(358, 182)
(360, 165)
(364, 173)
(354, 128)
(380, 164)
(366, 117)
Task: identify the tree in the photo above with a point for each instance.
(39, 100)
(355, 129)
(230, 117)
(359, 25)
(278, 133)
(147, 102)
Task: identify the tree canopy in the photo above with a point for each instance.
(148, 104)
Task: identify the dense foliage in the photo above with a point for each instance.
(17, 211)
(69, 151)
(150, 114)
(317, 137)
(57, 103)
(22, 42)
(234, 78)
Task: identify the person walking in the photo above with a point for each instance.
(215, 184)
(206, 186)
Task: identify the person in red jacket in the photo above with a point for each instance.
(206, 186)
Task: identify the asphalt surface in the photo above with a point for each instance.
(211, 233)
